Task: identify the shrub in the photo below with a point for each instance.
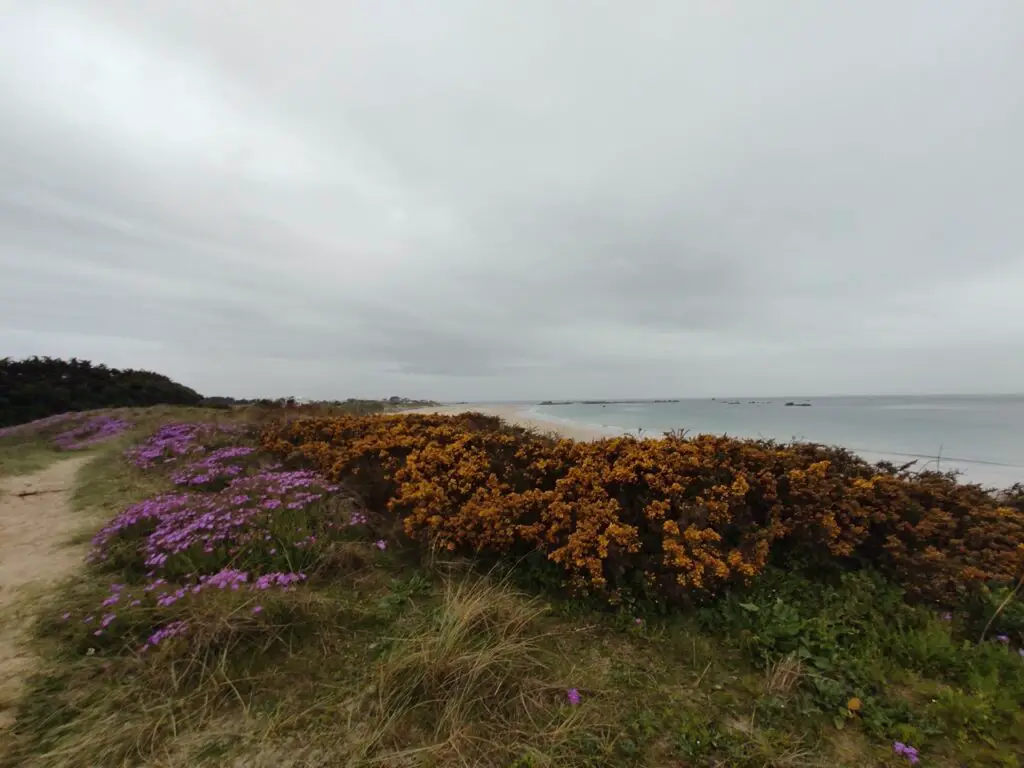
(669, 519)
(38, 387)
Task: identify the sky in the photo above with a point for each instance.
(465, 200)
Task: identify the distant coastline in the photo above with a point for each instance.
(604, 402)
(977, 437)
(519, 416)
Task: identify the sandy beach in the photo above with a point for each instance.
(520, 417)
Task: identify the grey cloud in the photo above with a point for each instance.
(549, 199)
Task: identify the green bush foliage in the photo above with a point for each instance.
(38, 387)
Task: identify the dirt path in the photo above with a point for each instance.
(36, 522)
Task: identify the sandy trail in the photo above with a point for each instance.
(36, 522)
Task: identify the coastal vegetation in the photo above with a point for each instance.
(37, 387)
(664, 521)
(283, 586)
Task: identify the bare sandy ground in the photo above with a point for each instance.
(36, 522)
(521, 418)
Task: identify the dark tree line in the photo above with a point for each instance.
(42, 386)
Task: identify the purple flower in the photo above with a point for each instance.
(284, 580)
(947, 616)
(94, 430)
(381, 544)
(257, 609)
(40, 424)
(171, 630)
(573, 695)
(65, 617)
(201, 526)
(1020, 652)
(907, 751)
(638, 621)
(1004, 639)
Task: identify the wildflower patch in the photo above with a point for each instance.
(237, 524)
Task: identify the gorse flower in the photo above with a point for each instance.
(664, 517)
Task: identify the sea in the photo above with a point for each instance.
(979, 436)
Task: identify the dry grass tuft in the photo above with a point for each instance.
(470, 683)
(784, 674)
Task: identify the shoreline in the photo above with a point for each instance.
(984, 474)
(519, 416)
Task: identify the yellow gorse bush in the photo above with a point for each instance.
(668, 518)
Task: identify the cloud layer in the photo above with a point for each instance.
(549, 199)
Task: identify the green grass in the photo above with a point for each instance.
(28, 453)
(398, 659)
(25, 458)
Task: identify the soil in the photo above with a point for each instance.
(36, 524)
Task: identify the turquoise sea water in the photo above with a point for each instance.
(980, 436)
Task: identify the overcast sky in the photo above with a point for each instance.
(530, 199)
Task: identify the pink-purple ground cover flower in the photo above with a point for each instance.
(40, 425)
(219, 465)
(907, 751)
(251, 511)
(95, 430)
(82, 429)
(252, 533)
(172, 442)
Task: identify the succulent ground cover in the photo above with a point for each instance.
(73, 431)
